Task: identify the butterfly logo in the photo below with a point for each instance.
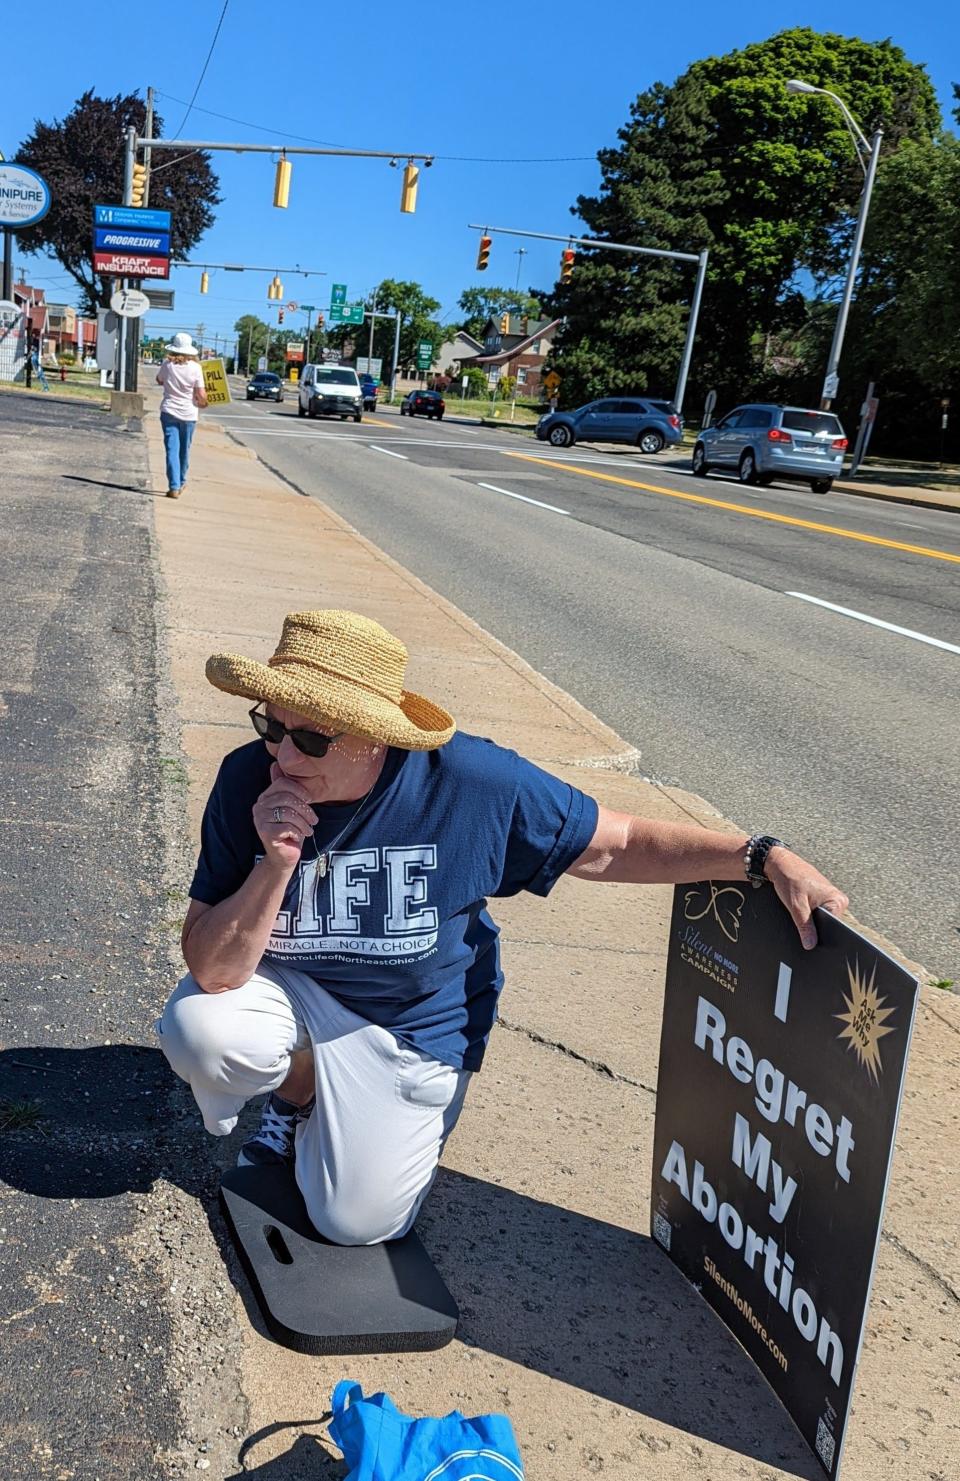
(724, 904)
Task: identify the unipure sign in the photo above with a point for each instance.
(781, 1072)
(24, 196)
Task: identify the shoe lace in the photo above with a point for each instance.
(276, 1130)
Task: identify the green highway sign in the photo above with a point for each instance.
(338, 293)
(346, 313)
(424, 355)
(307, 308)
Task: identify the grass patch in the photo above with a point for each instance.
(79, 388)
(946, 983)
(173, 771)
(20, 1115)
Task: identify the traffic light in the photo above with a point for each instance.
(275, 288)
(504, 323)
(204, 282)
(281, 184)
(280, 316)
(138, 185)
(408, 193)
(567, 258)
(524, 323)
(320, 321)
(483, 255)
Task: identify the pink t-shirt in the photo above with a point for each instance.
(179, 383)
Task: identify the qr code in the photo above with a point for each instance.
(826, 1445)
(662, 1230)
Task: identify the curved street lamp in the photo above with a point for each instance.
(868, 153)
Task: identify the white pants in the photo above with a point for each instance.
(368, 1154)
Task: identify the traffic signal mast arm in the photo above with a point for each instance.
(566, 271)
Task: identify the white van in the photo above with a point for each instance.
(330, 391)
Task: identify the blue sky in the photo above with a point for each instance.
(493, 82)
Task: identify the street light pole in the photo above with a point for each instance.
(869, 155)
(831, 380)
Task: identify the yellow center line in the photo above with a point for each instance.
(781, 519)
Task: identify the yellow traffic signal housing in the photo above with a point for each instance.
(204, 282)
(275, 288)
(524, 323)
(567, 258)
(408, 194)
(138, 186)
(281, 184)
(483, 255)
(504, 323)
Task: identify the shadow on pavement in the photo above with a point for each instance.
(105, 483)
(571, 1296)
(306, 1460)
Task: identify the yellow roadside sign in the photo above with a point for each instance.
(294, 374)
(551, 380)
(215, 382)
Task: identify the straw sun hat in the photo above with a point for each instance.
(343, 668)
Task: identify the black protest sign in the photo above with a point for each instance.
(780, 1078)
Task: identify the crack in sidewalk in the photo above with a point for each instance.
(592, 1064)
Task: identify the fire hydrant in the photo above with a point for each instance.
(63, 372)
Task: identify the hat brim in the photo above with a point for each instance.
(415, 724)
(193, 354)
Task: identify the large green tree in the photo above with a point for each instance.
(725, 159)
(81, 158)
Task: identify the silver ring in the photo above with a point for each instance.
(278, 814)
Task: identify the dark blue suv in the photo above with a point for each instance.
(644, 422)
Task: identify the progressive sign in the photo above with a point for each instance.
(131, 242)
(780, 1079)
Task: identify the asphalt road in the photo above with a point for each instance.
(686, 614)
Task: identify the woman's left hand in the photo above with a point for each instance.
(802, 888)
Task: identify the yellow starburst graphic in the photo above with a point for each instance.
(864, 1019)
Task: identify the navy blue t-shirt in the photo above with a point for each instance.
(398, 929)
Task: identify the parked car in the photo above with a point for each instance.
(645, 422)
(330, 391)
(369, 388)
(763, 441)
(423, 404)
(265, 385)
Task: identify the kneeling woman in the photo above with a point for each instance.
(341, 956)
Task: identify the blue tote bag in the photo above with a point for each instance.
(381, 1444)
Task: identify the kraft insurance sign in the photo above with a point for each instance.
(780, 1079)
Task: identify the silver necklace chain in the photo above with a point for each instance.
(323, 859)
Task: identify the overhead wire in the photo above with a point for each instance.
(329, 143)
(189, 106)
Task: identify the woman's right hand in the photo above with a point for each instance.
(283, 839)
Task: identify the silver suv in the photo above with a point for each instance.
(763, 442)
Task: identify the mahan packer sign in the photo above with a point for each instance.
(780, 1079)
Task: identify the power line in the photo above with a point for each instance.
(329, 144)
(205, 66)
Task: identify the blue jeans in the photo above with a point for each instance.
(177, 437)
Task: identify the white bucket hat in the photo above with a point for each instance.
(182, 344)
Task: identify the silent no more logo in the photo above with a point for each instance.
(864, 1021)
(724, 904)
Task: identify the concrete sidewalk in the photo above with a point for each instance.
(573, 1321)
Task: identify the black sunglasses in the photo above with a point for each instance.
(310, 742)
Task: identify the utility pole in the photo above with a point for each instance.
(521, 254)
(832, 378)
(373, 320)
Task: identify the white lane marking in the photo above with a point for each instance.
(523, 497)
(387, 453)
(891, 627)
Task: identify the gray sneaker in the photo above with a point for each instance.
(274, 1143)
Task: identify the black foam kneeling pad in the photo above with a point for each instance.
(328, 1298)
